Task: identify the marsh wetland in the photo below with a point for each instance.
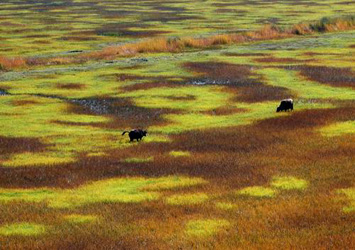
(219, 167)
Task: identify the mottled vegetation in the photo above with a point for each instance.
(219, 168)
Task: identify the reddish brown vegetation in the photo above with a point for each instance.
(271, 59)
(23, 102)
(9, 145)
(123, 113)
(7, 63)
(70, 86)
(248, 86)
(263, 93)
(337, 77)
(243, 54)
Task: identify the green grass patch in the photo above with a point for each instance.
(37, 159)
(192, 121)
(138, 160)
(305, 88)
(257, 191)
(79, 218)
(172, 182)
(339, 128)
(205, 228)
(121, 190)
(22, 229)
(226, 205)
(187, 199)
(188, 98)
(179, 153)
(350, 196)
(288, 182)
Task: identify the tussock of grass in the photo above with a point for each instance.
(22, 229)
(325, 24)
(288, 183)
(339, 128)
(121, 190)
(179, 153)
(205, 228)
(7, 63)
(187, 199)
(257, 191)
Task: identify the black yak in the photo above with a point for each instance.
(285, 105)
(136, 134)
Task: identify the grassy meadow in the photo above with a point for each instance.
(219, 168)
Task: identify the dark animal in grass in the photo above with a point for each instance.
(285, 105)
(136, 134)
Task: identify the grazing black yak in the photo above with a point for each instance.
(136, 134)
(285, 105)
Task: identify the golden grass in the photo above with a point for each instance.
(350, 196)
(257, 191)
(179, 153)
(8, 63)
(37, 159)
(160, 45)
(205, 227)
(22, 229)
(119, 190)
(79, 218)
(187, 199)
(288, 183)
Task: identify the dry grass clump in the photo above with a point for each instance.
(8, 63)
(324, 25)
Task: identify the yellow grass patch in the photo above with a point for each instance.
(205, 228)
(120, 190)
(37, 159)
(288, 182)
(257, 191)
(187, 199)
(79, 218)
(350, 195)
(339, 128)
(179, 153)
(138, 160)
(22, 229)
(226, 205)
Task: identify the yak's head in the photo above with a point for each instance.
(144, 133)
(278, 109)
